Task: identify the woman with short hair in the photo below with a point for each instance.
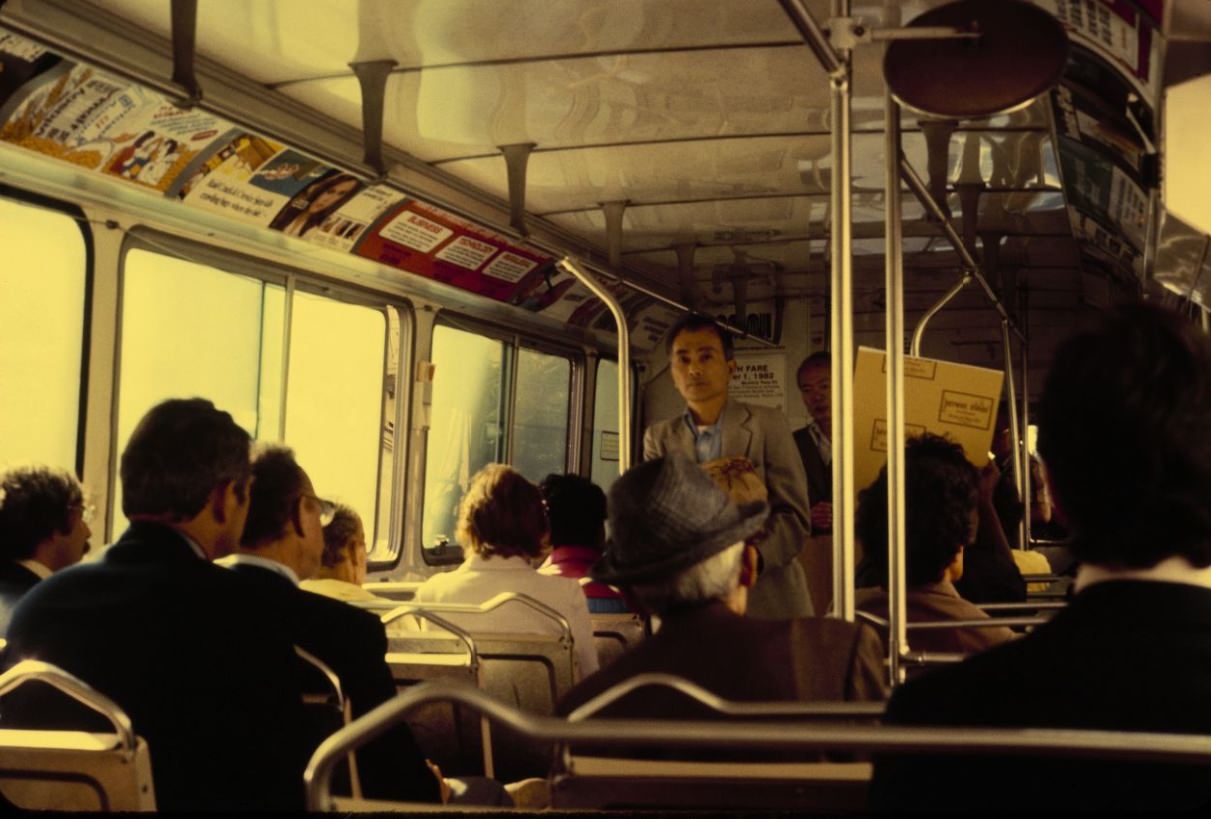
(502, 526)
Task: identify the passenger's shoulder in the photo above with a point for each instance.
(969, 692)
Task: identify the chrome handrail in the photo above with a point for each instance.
(490, 605)
(462, 634)
(722, 706)
(629, 733)
(71, 685)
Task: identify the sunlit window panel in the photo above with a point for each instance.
(41, 335)
(334, 399)
(606, 439)
(540, 422)
(190, 330)
(465, 423)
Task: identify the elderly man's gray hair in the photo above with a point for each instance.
(711, 579)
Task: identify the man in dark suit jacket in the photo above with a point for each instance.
(1125, 432)
(183, 646)
(283, 543)
(43, 528)
(678, 550)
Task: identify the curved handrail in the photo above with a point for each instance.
(71, 685)
(492, 604)
(1054, 605)
(1082, 743)
(324, 669)
(462, 634)
(943, 625)
(726, 707)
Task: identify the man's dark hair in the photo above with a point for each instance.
(576, 508)
(181, 450)
(816, 359)
(1125, 436)
(337, 535)
(692, 323)
(35, 502)
(277, 485)
(941, 489)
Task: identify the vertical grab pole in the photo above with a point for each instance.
(842, 336)
(1027, 488)
(624, 358)
(897, 643)
(1015, 436)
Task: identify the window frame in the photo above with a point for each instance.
(292, 279)
(514, 340)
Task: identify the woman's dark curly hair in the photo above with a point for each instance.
(940, 493)
(35, 502)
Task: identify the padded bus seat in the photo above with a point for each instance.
(615, 635)
(73, 770)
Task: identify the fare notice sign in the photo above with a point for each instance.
(957, 401)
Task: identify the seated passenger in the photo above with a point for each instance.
(1125, 434)
(283, 543)
(43, 528)
(940, 494)
(342, 568)
(678, 549)
(503, 526)
(576, 508)
(189, 650)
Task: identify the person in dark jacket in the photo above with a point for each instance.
(207, 676)
(44, 527)
(1125, 434)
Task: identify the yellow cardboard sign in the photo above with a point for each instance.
(957, 401)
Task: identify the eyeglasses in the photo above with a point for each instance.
(327, 508)
(87, 511)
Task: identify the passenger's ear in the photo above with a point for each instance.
(731, 366)
(750, 566)
(296, 516)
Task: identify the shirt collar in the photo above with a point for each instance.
(1175, 569)
(243, 559)
(37, 568)
(480, 563)
(193, 544)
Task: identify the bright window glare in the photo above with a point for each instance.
(465, 423)
(605, 425)
(189, 330)
(334, 399)
(41, 335)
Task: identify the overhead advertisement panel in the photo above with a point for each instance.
(102, 123)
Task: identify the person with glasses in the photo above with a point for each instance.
(43, 528)
(343, 563)
(283, 543)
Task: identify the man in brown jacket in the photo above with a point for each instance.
(679, 552)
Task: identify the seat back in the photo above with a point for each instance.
(615, 635)
(73, 770)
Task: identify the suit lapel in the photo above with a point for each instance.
(683, 438)
(736, 433)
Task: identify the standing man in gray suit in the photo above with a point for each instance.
(702, 360)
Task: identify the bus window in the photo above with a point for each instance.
(334, 400)
(192, 330)
(41, 335)
(540, 420)
(465, 420)
(605, 425)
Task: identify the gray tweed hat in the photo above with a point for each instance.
(665, 516)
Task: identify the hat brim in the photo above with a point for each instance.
(750, 520)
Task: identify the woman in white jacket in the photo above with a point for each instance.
(502, 525)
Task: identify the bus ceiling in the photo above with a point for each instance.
(681, 149)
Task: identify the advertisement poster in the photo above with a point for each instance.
(343, 228)
(760, 379)
(430, 242)
(223, 184)
(1119, 32)
(954, 400)
(20, 61)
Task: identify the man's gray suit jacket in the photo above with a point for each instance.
(763, 436)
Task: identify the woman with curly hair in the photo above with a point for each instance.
(941, 491)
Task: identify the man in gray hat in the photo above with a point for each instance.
(680, 551)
